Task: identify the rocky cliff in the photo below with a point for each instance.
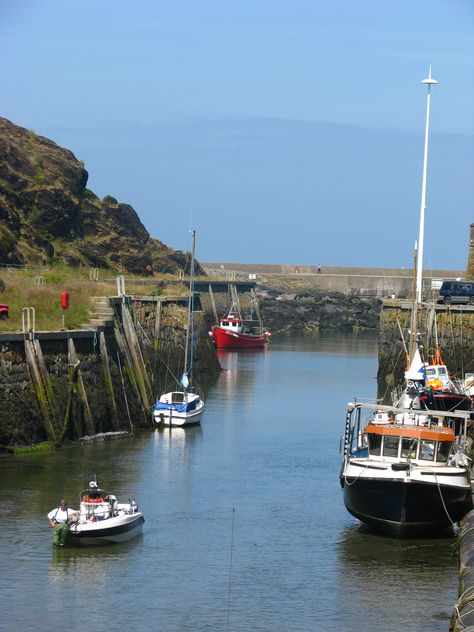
(47, 214)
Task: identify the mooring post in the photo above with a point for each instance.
(74, 361)
(106, 371)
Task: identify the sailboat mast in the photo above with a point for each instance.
(419, 271)
(190, 305)
(413, 341)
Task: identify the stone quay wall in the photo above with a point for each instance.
(95, 381)
(455, 334)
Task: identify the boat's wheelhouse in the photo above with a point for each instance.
(437, 377)
(96, 504)
(234, 325)
(415, 443)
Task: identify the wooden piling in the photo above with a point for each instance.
(141, 374)
(109, 387)
(213, 303)
(44, 401)
(127, 361)
(74, 361)
(157, 322)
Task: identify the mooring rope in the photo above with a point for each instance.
(442, 500)
(346, 482)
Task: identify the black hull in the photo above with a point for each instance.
(108, 534)
(446, 402)
(405, 510)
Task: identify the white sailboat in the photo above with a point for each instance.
(183, 407)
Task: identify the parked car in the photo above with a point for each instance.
(3, 311)
(456, 292)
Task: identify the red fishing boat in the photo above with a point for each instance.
(234, 332)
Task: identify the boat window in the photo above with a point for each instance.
(375, 444)
(427, 449)
(430, 372)
(225, 323)
(444, 448)
(390, 446)
(442, 370)
(409, 446)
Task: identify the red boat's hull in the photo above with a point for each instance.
(229, 340)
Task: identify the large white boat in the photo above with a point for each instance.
(103, 520)
(404, 472)
(182, 407)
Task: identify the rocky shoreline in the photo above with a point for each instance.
(310, 311)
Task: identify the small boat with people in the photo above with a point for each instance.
(405, 472)
(103, 519)
(183, 407)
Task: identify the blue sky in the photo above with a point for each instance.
(283, 131)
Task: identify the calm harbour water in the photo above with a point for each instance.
(268, 448)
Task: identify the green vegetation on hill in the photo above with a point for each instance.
(22, 290)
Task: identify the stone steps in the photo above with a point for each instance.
(102, 316)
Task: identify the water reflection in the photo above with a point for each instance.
(92, 564)
(344, 343)
(174, 438)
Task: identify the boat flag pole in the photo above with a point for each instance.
(419, 271)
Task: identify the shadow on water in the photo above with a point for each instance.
(393, 577)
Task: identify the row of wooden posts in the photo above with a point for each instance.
(130, 361)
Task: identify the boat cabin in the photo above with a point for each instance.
(405, 442)
(180, 401)
(234, 325)
(437, 377)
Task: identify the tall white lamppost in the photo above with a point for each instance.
(419, 263)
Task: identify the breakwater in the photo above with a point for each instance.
(59, 386)
(352, 281)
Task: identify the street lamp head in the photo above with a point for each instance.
(429, 80)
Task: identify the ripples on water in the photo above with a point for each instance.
(268, 447)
